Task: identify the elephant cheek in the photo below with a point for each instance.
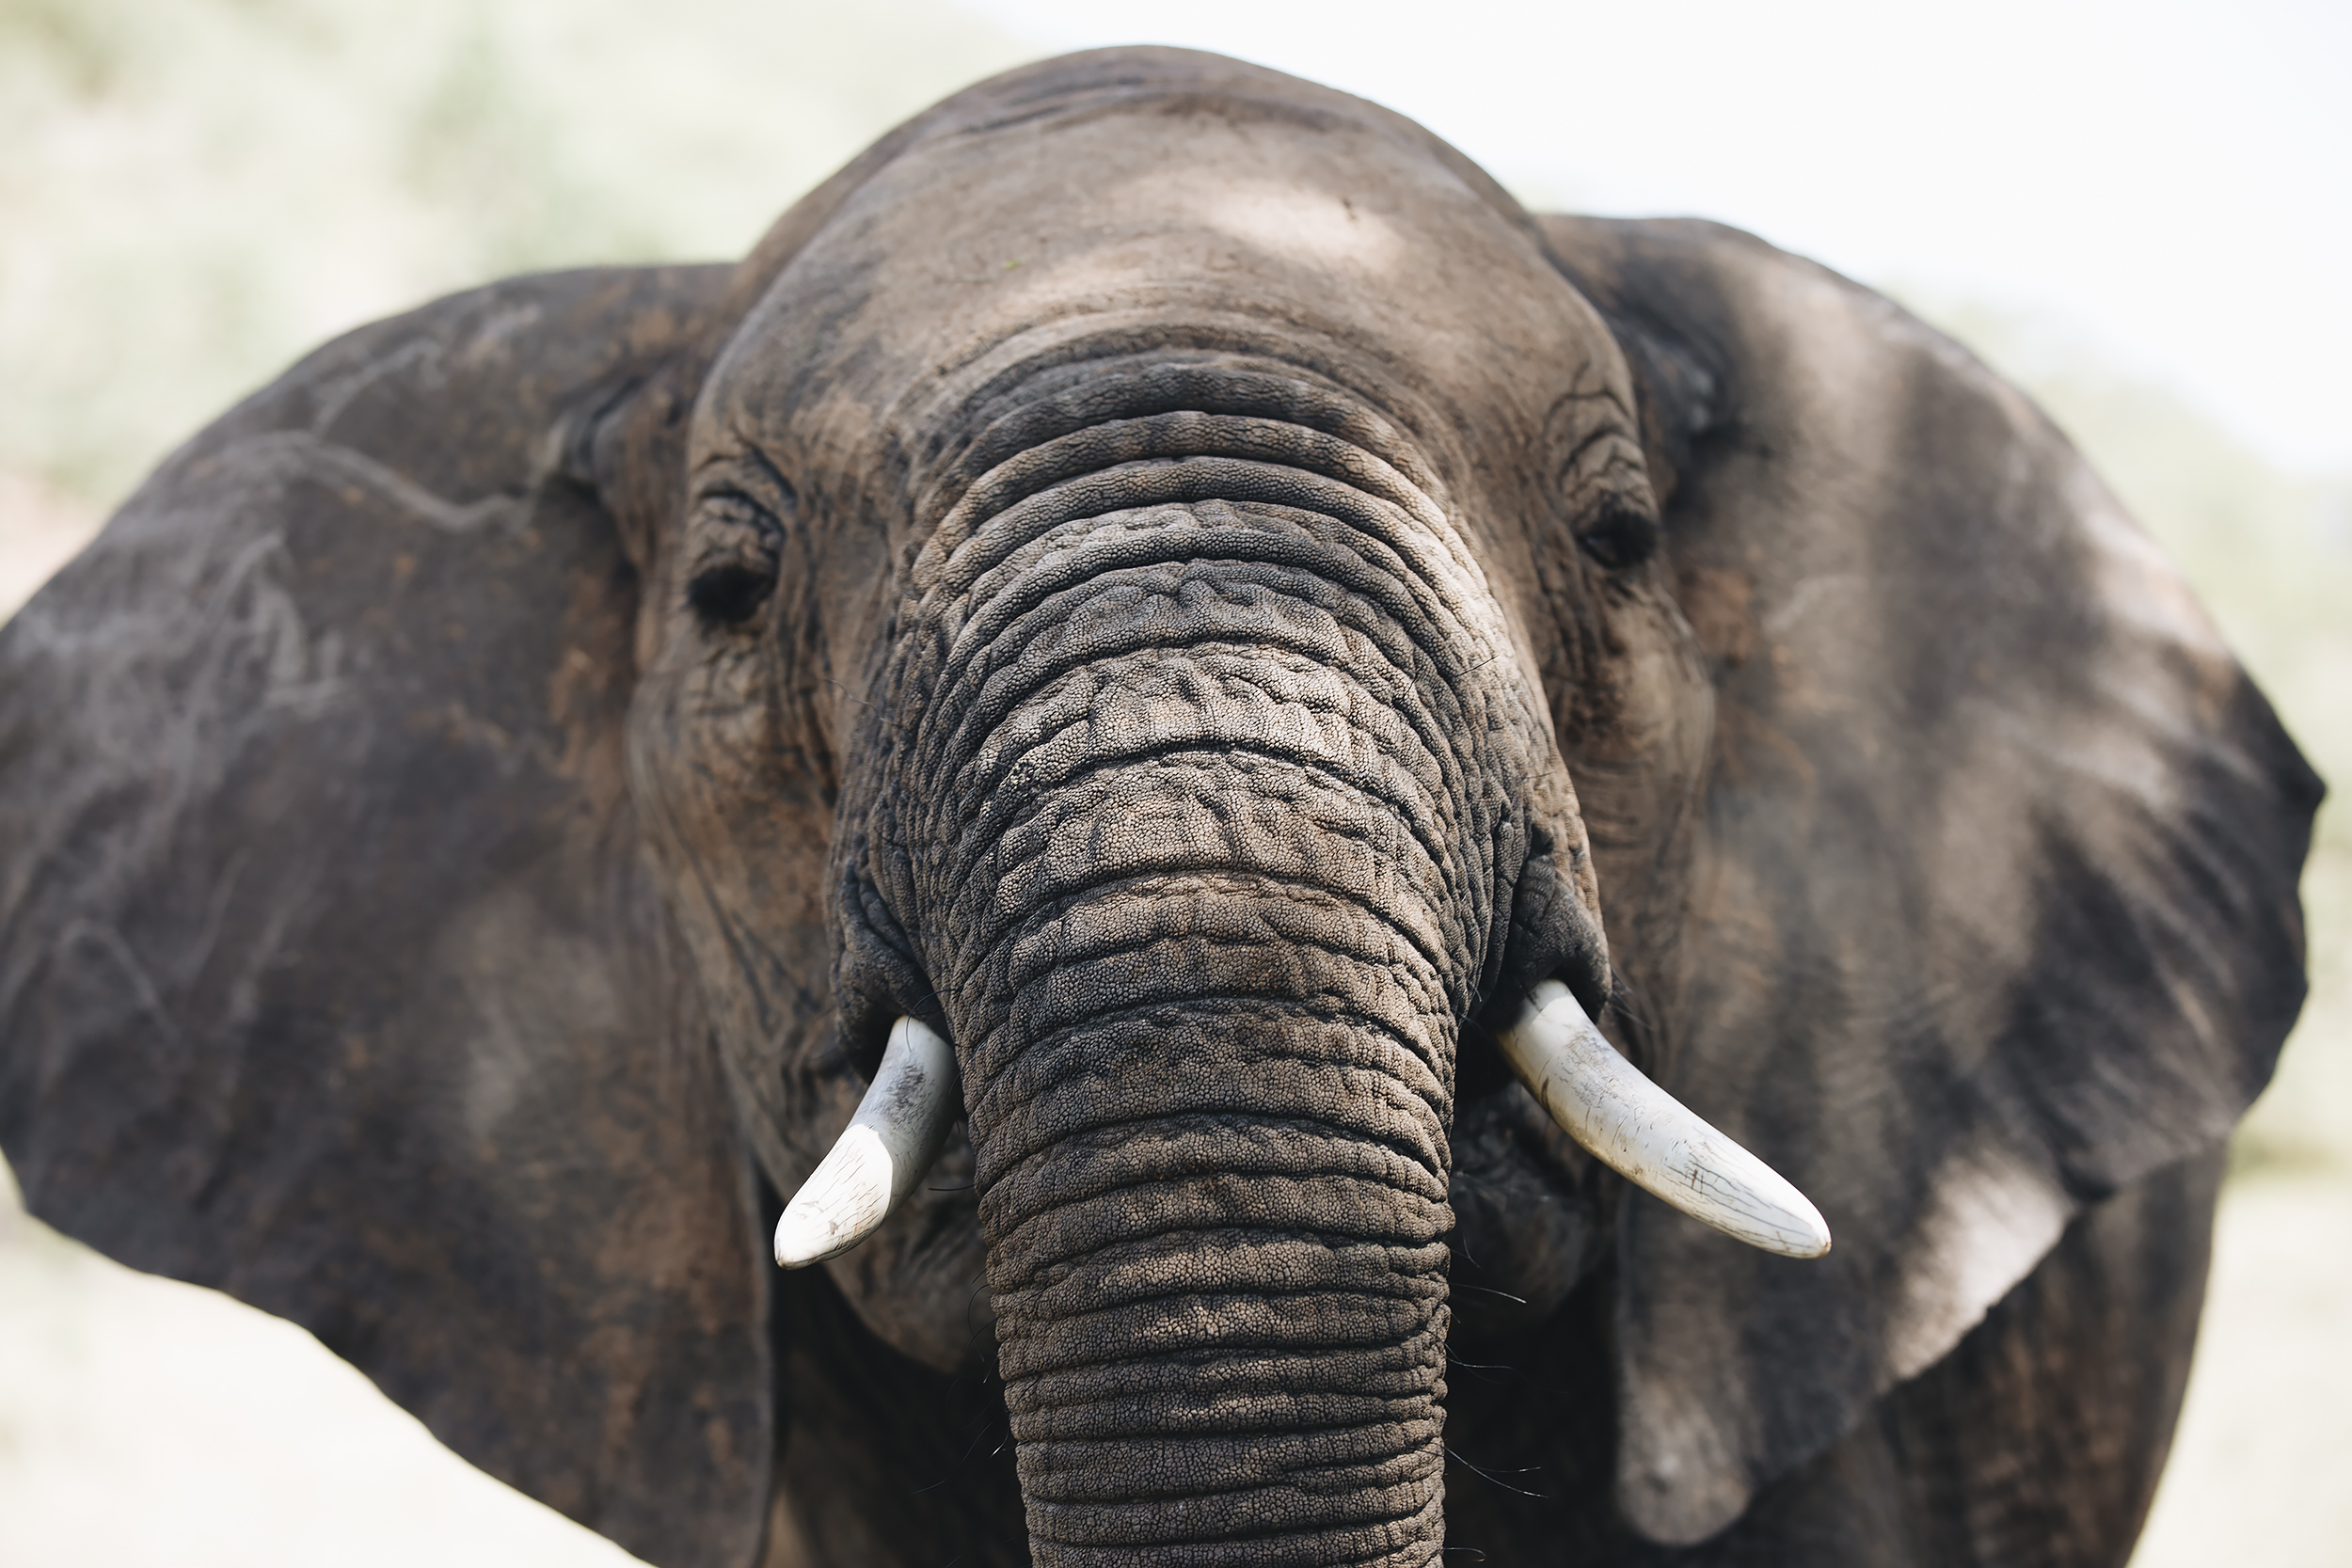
(918, 1282)
(1527, 1216)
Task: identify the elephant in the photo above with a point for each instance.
(1192, 706)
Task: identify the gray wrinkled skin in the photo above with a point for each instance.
(1168, 575)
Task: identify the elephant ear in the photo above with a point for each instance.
(329, 974)
(1994, 904)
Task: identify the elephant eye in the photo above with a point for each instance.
(731, 594)
(1622, 535)
(737, 561)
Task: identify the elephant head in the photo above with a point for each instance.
(1165, 635)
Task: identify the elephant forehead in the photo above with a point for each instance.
(1336, 232)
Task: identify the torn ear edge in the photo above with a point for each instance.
(626, 447)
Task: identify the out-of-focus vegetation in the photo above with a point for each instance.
(193, 194)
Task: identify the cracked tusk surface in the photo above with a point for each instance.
(889, 1144)
(1649, 1137)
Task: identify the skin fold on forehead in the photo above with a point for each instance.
(1236, 204)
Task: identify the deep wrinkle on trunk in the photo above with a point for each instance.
(1204, 830)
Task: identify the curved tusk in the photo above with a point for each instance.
(1649, 1137)
(888, 1145)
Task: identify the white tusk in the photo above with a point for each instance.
(1649, 1137)
(889, 1144)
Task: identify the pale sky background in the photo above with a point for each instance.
(2173, 182)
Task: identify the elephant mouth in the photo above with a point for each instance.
(1606, 1104)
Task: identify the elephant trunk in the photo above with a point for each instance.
(1214, 1225)
(1203, 826)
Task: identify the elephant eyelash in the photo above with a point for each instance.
(1621, 536)
(1603, 486)
(729, 594)
(738, 563)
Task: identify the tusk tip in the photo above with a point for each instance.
(791, 1245)
(1807, 1240)
(891, 1140)
(810, 1232)
(1772, 1215)
(803, 1239)
(1647, 1136)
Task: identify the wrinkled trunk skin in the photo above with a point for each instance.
(1198, 835)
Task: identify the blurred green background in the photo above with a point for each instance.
(193, 194)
